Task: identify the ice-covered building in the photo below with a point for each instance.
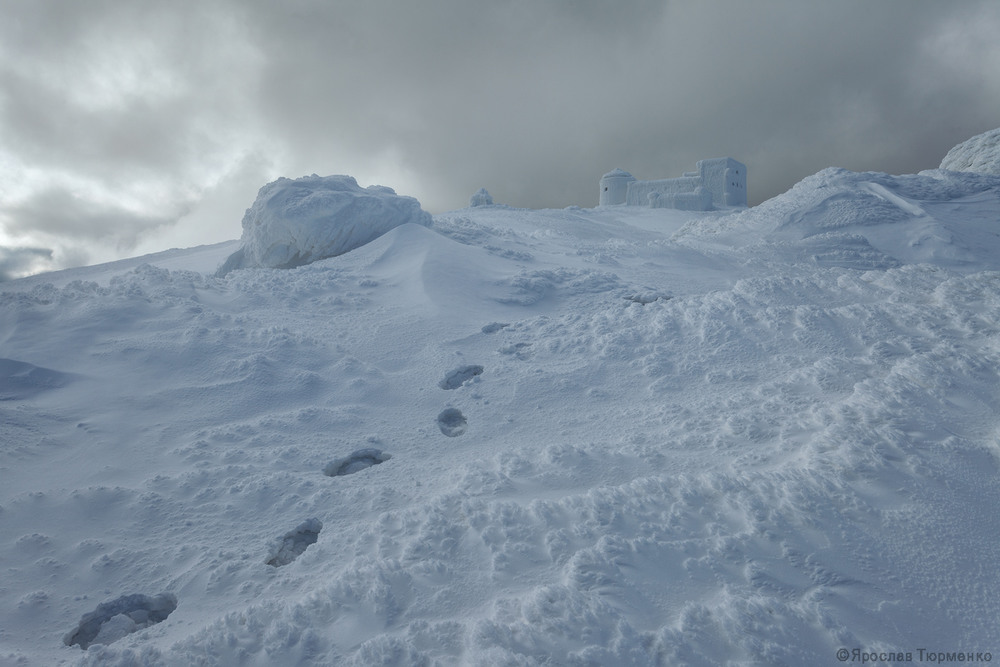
(718, 183)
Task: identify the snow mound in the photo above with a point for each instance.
(981, 154)
(296, 222)
(869, 220)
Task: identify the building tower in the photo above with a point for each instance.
(614, 187)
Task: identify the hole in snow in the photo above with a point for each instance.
(452, 422)
(494, 327)
(356, 462)
(460, 376)
(113, 620)
(294, 543)
(646, 298)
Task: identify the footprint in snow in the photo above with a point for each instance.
(356, 462)
(456, 378)
(452, 422)
(113, 620)
(294, 543)
(647, 297)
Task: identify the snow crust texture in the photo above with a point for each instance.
(295, 222)
(619, 436)
(980, 154)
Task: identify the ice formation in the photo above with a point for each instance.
(481, 198)
(295, 222)
(981, 154)
(718, 183)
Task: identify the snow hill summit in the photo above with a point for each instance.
(622, 435)
(295, 222)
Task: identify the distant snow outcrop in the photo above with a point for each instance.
(870, 220)
(296, 222)
(481, 198)
(980, 154)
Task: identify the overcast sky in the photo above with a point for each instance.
(130, 127)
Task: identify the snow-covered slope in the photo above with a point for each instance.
(614, 436)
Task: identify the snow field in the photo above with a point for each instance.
(687, 440)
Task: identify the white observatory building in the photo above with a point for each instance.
(718, 183)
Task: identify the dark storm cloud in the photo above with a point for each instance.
(537, 100)
(534, 100)
(15, 262)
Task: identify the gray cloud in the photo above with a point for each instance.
(61, 214)
(15, 262)
(534, 100)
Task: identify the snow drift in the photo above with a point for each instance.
(295, 222)
(981, 153)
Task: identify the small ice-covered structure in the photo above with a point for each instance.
(718, 183)
(980, 154)
(295, 222)
(481, 198)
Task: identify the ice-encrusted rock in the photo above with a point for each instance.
(296, 222)
(481, 198)
(980, 154)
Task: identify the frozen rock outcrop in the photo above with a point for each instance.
(481, 198)
(980, 154)
(296, 222)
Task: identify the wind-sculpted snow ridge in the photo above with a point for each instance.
(750, 438)
(19, 379)
(868, 220)
(980, 154)
(295, 222)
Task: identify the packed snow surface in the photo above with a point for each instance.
(613, 436)
(981, 153)
(295, 222)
